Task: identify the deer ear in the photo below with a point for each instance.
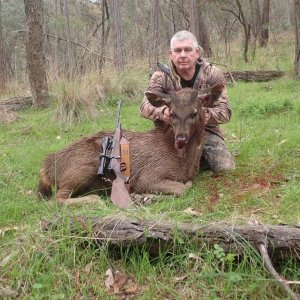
(204, 91)
(157, 99)
(194, 95)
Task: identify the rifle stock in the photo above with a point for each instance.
(119, 193)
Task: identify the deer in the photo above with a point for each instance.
(162, 160)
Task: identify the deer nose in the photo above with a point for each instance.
(181, 140)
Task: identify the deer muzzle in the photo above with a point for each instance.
(180, 141)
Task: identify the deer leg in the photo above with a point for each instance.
(63, 198)
(89, 199)
(171, 187)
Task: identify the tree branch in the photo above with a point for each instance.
(75, 43)
(269, 266)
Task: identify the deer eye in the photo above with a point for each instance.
(194, 113)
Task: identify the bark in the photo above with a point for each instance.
(256, 17)
(194, 20)
(240, 16)
(247, 30)
(281, 241)
(138, 21)
(104, 32)
(256, 76)
(35, 52)
(70, 52)
(7, 116)
(119, 48)
(16, 103)
(264, 32)
(198, 27)
(154, 34)
(204, 35)
(297, 30)
(3, 57)
(56, 60)
(178, 14)
(175, 15)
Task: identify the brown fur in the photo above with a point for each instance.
(155, 164)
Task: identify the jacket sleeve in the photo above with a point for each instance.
(216, 105)
(147, 110)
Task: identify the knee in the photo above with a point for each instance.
(225, 165)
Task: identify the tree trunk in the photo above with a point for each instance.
(70, 52)
(56, 60)
(204, 38)
(104, 32)
(119, 49)
(35, 52)
(256, 17)
(297, 29)
(178, 14)
(264, 32)
(154, 34)
(137, 19)
(194, 20)
(3, 57)
(198, 27)
(247, 30)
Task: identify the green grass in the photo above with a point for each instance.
(264, 136)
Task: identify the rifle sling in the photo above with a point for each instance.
(125, 158)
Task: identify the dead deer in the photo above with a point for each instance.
(162, 160)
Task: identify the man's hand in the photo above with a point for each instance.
(207, 115)
(166, 115)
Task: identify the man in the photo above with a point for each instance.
(188, 69)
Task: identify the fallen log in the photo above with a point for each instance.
(256, 76)
(16, 103)
(271, 241)
(281, 240)
(7, 116)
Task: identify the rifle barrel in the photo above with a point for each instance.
(118, 113)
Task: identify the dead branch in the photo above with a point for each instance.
(269, 266)
(75, 43)
(16, 103)
(276, 241)
(257, 76)
(7, 116)
(282, 241)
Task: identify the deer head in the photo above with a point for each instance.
(186, 113)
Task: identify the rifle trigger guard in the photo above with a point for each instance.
(123, 166)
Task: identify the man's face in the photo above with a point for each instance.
(184, 55)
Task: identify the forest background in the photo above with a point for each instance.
(66, 63)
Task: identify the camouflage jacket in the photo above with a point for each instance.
(215, 102)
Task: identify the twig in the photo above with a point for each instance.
(269, 266)
(232, 79)
(75, 43)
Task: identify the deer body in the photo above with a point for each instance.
(162, 160)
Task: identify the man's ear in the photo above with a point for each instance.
(157, 99)
(198, 51)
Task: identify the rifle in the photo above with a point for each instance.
(110, 160)
(105, 155)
